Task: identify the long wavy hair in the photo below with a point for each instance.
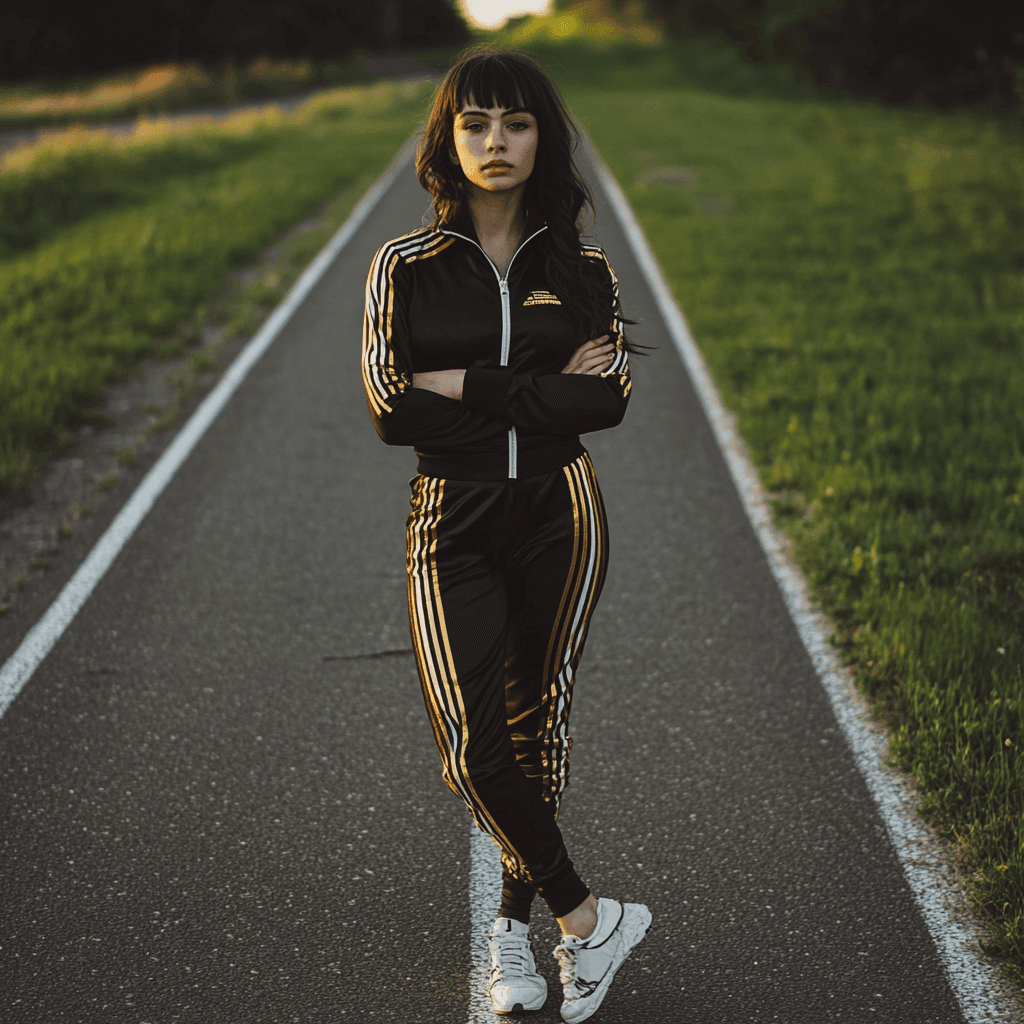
(555, 191)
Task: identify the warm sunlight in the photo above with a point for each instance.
(493, 13)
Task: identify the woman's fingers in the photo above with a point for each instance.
(589, 346)
(591, 367)
(597, 363)
(602, 353)
(592, 357)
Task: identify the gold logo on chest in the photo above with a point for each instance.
(542, 299)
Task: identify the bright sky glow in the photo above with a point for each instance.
(492, 13)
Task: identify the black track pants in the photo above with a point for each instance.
(503, 577)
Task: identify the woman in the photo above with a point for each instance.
(478, 351)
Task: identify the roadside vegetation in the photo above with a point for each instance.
(852, 273)
(590, 45)
(112, 243)
(164, 88)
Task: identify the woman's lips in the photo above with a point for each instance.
(497, 167)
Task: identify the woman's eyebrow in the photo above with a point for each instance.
(483, 113)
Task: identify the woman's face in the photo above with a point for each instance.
(495, 147)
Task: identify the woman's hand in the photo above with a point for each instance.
(592, 357)
(443, 382)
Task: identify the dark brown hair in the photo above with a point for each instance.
(555, 192)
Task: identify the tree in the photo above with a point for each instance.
(53, 38)
(389, 24)
(942, 51)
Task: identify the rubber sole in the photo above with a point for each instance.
(637, 933)
(519, 1008)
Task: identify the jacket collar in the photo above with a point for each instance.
(462, 224)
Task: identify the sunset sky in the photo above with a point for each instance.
(492, 13)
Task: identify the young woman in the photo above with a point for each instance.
(492, 340)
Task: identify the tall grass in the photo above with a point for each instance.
(77, 174)
(853, 276)
(167, 87)
(112, 240)
(598, 45)
(164, 88)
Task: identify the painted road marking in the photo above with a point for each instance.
(967, 975)
(484, 886)
(19, 668)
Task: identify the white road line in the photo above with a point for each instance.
(18, 669)
(484, 888)
(968, 976)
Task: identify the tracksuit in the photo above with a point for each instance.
(507, 541)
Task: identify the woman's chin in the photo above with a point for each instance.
(498, 184)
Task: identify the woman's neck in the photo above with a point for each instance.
(499, 221)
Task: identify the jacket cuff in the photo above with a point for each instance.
(486, 390)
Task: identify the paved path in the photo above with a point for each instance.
(221, 799)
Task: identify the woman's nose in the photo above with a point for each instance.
(495, 141)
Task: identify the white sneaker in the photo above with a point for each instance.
(515, 984)
(588, 965)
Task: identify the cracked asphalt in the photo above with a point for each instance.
(221, 801)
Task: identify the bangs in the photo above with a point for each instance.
(509, 80)
(493, 82)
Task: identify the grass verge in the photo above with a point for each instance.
(597, 45)
(161, 89)
(853, 276)
(113, 242)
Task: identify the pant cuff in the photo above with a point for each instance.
(565, 895)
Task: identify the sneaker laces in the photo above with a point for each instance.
(510, 956)
(566, 957)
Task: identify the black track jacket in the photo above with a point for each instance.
(435, 301)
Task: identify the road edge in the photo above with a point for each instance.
(968, 976)
(40, 640)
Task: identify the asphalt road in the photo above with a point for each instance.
(221, 801)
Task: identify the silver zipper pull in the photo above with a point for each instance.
(506, 320)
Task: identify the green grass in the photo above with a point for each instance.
(158, 90)
(696, 62)
(853, 275)
(860, 303)
(163, 89)
(595, 45)
(111, 242)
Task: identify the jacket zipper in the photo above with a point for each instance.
(506, 320)
(506, 329)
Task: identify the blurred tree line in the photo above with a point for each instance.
(944, 52)
(52, 38)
